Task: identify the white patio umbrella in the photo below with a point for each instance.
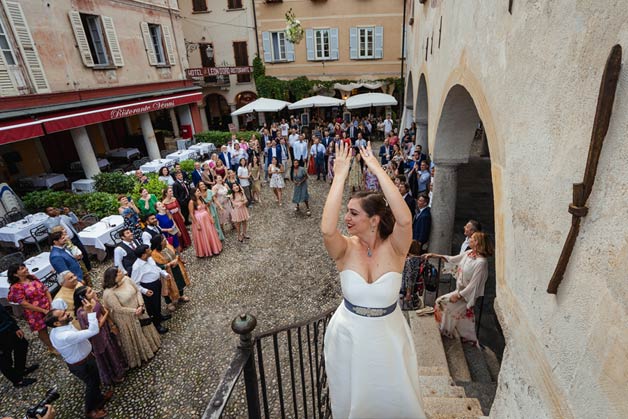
(261, 105)
(316, 102)
(366, 100)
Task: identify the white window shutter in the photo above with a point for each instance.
(333, 40)
(353, 43)
(267, 47)
(81, 39)
(172, 59)
(112, 41)
(7, 88)
(148, 43)
(379, 42)
(309, 44)
(27, 46)
(289, 51)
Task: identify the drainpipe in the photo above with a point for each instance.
(255, 25)
(403, 58)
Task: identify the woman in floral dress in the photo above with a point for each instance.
(34, 297)
(256, 179)
(172, 205)
(221, 192)
(239, 213)
(212, 204)
(356, 177)
(277, 184)
(454, 311)
(130, 214)
(330, 162)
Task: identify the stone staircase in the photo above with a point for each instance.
(442, 397)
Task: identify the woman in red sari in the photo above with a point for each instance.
(173, 206)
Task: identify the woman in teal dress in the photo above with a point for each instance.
(212, 203)
(299, 176)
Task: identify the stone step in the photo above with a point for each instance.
(434, 371)
(439, 386)
(477, 365)
(456, 359)
(483, 392)
(429, 349)
(451, 408)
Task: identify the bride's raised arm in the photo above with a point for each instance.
(336, 243)
(401, 236)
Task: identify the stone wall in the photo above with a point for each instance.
(534, 77)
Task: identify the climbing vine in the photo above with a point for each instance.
(297, 88)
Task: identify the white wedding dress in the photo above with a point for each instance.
(370, 361)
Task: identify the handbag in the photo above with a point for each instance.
(146, 321)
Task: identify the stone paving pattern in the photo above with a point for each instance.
(282, 275)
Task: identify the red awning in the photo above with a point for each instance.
(22, 129)
(89, 116)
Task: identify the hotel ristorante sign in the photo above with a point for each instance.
(194, 73)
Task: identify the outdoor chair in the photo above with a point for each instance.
(14, 215)
(3, 222)
(164, 153)
(88, 220)
(38, 235)
(51, 282)
(10, 259)
(144, 160)
(137, 164)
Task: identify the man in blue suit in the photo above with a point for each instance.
(225, 156)
(385, 151)
(60, 259)
(422, 223)
(274, 150)
(196, 174)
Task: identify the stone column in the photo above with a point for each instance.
(103, 135)
(204, 122)
(421, 135)
(149, 137)
(234, 119)
(175, 124)
(85, 152)
(185, 116)
(443, 207)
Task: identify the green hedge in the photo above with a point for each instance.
(154, 186)
(114, 182)
(220, 138)
(101, 204)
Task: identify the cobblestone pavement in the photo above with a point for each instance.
(282, 275)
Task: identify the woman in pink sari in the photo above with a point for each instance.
(204, 235)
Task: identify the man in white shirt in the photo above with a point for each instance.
(151, 230)
(388, 126)
(284, 128)
(76, 350)
(124, 253)
(300, 150)
(147, 276)
(317, 152)
(469, 228)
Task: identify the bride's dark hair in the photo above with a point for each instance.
(374, 203)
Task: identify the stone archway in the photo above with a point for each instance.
(408, 112)
(421, 115)
(248, 121)
(218, 112)
(463, 190)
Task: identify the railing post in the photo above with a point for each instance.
(243, 325)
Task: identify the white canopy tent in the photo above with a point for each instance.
(367, 100)
(317, 102)
(261, 105)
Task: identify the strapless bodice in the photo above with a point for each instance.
(381, 293)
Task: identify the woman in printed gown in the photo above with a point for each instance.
(106, 350)
(212, 204)
(204, 235)
(256, 179)
(454, 311)
(356, 177)
(369, 353)
(130, 214)
(172, 205)
(166, 258)
(126, 306)
(277, 184)
(221, 192)
(330, 162)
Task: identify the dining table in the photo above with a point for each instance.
(123, 153)
(39, 266)
(46, 180)
(155, 165)
(84, 185)
(180, 155)
(203, 148)
(97, 237)
(14, 233)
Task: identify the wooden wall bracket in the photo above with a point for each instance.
(581, 191)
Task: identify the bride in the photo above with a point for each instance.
(369, 354)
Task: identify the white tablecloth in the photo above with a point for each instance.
(203, 148)
(47, 180)
(123, 153)
(155, 165)
(37, 265)
(84, 185)
(183, 155)
(19, 230)
(97, 235)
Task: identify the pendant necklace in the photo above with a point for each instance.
(368, 251)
